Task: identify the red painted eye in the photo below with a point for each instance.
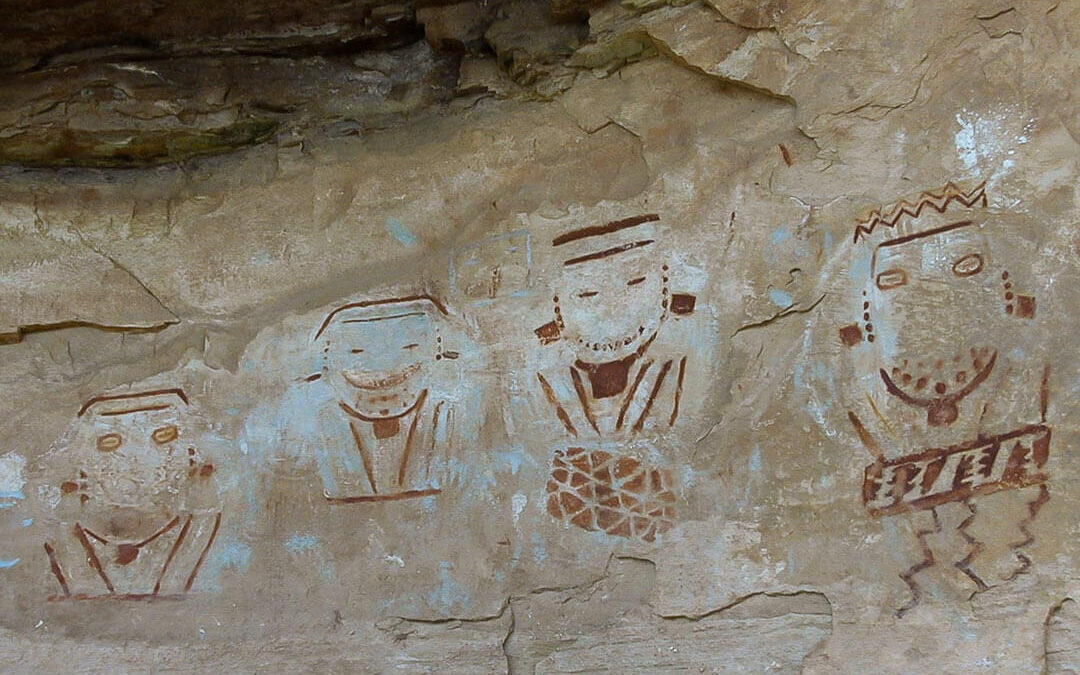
(968, 265)
(165, 434)
(891, 278)
(109, 442)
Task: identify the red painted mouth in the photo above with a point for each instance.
(378, 381)
(611, 346)
(941, 410)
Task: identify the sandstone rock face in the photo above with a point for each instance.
(529, 337)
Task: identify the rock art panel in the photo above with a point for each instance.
(137, 507)
(951, 392)
(588, 336)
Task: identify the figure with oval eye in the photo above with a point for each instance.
(139, 500)
(956, 410)
(611, 304)
(379, 358)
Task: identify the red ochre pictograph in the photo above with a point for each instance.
(617, 495)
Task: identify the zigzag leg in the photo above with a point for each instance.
(1034, 506)
(928, 561)
(975, 547)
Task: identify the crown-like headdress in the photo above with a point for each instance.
(385, 308)
(893, 215)
(595, 242)
(142, 401)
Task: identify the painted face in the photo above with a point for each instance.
(609, 307)
(931, 305)
(379, 363)
(134, 453)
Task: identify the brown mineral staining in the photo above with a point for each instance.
(786, 154)
(124, 149)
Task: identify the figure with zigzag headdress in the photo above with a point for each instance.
(955, 392)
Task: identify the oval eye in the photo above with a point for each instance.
(891, 278)
(587, 294)
(165, 434)
(109, 442)
(968, 265)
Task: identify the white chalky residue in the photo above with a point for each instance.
(986, 143)
(11, 473)
(965, 143)
(50, 494)
(518, 502)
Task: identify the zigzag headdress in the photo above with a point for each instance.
(890, 216)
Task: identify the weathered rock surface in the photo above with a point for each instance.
(531, 337)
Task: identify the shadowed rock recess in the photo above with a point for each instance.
(540, 336)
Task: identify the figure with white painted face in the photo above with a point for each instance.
(612, 303)
(137, 502)
(956, 391)
(379, 358)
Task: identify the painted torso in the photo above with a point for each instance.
(384, 458)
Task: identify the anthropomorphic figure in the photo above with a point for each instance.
(137, 502)
(379, 358)
(623, 384)
(956, 393)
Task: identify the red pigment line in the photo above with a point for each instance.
(633, 390)
(928, 233)
(904, 207)
(92, 558)
(202, 557)
(115, 596)
(57, 571)
(1044, 392)
(909, 574)
(608, 252)
(170, 525)
(678, 393)
(579, 387)
(563, 417)
(409, 438)
(640, 424)
(172, 552)
(365, 499)
(975, 548)
(128, 411)
(143, 394)
(606, 228)
(864, 436)
(364, 457)
(386, 301)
